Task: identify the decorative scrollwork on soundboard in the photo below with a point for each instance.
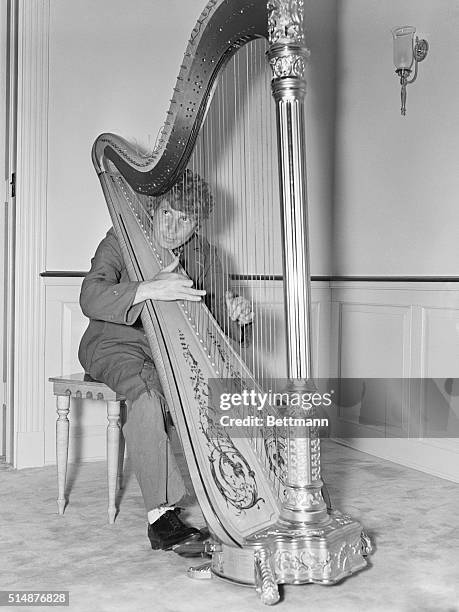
(224, 362)
(233, 477)
(274, 443)
(276, 452)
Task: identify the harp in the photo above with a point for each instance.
(260, 493)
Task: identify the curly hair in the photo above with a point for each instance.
(190, 194)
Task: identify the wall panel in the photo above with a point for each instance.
(440, 346)
(65, 324)
(401, 331)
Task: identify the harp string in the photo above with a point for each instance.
(238, 139)
(235, 154)
(264, 442)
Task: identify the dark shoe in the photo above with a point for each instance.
(169, 530)
(195, 547)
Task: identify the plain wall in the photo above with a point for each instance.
(321, 40)
(396, 199)
(113, 65)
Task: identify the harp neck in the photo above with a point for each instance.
(221, 30)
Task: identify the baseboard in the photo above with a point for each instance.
(412, 453)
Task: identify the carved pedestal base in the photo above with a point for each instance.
(324, 554)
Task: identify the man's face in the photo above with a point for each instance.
(171, 227)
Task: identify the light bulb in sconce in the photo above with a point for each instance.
(406, 52)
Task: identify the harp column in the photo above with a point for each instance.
(308, 543)
(287, 56)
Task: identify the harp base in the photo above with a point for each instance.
(289, 553)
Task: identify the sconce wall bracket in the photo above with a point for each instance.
(420, 48)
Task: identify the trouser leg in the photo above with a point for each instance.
(151, 454)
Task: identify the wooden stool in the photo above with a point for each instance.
(75, 385)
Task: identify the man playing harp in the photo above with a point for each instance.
(115, 350)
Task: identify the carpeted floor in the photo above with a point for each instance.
(412, 518)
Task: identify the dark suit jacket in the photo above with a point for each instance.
(114, 348)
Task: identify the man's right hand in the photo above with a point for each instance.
(168, 286)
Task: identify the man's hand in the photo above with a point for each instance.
(239, 308)
(168, 286)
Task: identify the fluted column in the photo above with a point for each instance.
(287, 56)
(30, 231)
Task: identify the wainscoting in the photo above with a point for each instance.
(399, 330)
(65, 324)
(269, 360)
(361, 329)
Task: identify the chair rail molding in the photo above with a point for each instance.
(30, 235)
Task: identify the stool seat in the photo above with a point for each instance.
(80, 386)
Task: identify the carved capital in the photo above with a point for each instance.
(288, 66)
(285, 22)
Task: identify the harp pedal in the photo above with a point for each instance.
(200, 572)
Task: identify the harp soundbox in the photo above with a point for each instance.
(261, 493)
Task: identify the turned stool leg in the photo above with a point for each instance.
(62, 448)
(113, 446)
(123, 416)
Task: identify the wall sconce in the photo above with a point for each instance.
(407, 51)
